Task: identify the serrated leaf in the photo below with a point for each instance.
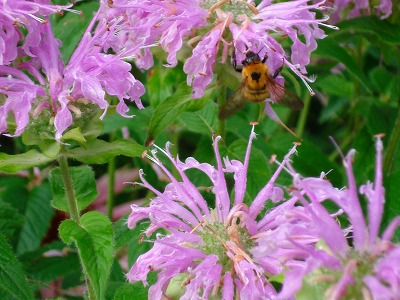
(385, 31)
(84, 186)
(48, 269)
(202, 121)
(18, 162)
(329, 48)
(132, 291)
(12, 280)
(172, 107)
(38, 215)
(100, 152)
(10, 220)
(14, 192)
(94, 240)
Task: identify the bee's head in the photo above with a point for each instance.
(251, 57)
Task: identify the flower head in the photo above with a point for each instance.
(215, 28)
(212, 247)
(64, 90)
(366, 268)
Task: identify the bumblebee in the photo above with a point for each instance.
(257, 85)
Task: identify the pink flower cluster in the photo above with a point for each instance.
(345, 9)
(231, 250)
(89, 75)
(214, 28)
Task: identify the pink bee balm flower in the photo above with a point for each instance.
(345, 9)
(64, 90)
(213, 28)
(366, 268)
(212, 248)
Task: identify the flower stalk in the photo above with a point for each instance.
(69, 189)
(73, 208)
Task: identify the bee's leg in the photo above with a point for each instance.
(277, 71)
(265, 58)
(234, 62)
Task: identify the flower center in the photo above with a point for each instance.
(355, 265)
(216, 238)
(236, 7)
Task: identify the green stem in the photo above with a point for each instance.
(174, 139)
(301, 124)
(221, 98)
(69, 189)
(111, 182)
(73, 207)
(392, 146)
(260, 112)
(111, 187)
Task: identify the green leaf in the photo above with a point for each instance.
(136, 290)
(38, 208)
(48, 269)
(13, 187)
(162, 81)
(94, 240)
(311, 161)
(170, 109)
(132, 291)
(124, 235)
(387, 32)
(100, 152)
(84, 185)
(12, 280)
(116, 280)
(329, 48)
(202, 121)
(69, 28)
(380, 119)
(10, 220)
(18, 162)
(336, 85)
(42, 268)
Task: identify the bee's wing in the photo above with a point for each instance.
(283, 96)
(233, 104)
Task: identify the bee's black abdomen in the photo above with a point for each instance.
(255, 76)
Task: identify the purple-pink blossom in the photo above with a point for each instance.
(87, 78)
(213, 29)
(346, 9)
(351, 262)
(209, 248)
